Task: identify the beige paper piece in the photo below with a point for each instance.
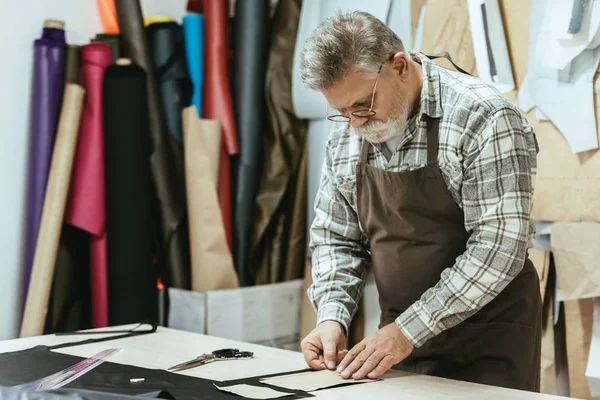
(541, 261)
(212, 141)
(576, 254)
(254, 392)
(568, 190)
(212, 263)
(415, 11)
(53, 212)
(579, 320)
(446, 28)
(311, 380)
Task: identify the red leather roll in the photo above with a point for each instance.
(216, 98)
(86, 207)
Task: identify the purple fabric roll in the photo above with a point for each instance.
(46, 98)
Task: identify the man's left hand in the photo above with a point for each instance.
(376, 353)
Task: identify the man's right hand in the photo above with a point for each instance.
(324, 347)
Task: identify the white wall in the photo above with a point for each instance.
(22, 22)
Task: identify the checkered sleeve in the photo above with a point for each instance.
(497, 189)
(338, 252)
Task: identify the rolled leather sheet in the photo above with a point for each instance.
(193, 33)
(166, 157)
(217, 97)
(217, 103)
(250, 50)
(154, 19)
(132, 276)
(278, 225)
(51, 223)
(86, 208)
(46, 95)
(168, 56)
(113, 41)
(72, 64)
(108, 15)
(212, 263)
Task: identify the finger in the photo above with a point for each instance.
(358, 362)
(313, 356)
(330, 352)
(384, 365)
(350, 356)
(370, 363)
(341, 355)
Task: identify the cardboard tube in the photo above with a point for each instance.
(53, 212)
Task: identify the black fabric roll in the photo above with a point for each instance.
(132, 276)
(251, 46)
(166, 159)
(73, 63)
(71, 293)
(175, 87)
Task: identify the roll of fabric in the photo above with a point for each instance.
(73, 63)
(212, 263)
(71, 291)
(217, 103)
(86, 208)
(193, 33)
(168, 56)
(154, 19)
(278, 231)
(166, 156)
(53, 212)
(113, 41)
(250, 50)
(46, 95)
(108, 15)
(132, 276)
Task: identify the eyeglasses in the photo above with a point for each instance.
(359, 113)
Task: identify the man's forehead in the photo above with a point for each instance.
(349, 91)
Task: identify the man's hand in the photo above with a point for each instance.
(376, 353)
(324, 347)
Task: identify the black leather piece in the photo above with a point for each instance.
(251, 46)
(175, 87)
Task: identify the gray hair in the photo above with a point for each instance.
(348, 42)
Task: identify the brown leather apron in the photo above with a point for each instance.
(415, 231)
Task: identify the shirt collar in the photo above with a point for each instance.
(431, 97)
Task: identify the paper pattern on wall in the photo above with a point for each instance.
(561, 71)
(576, 254)
(491, 53)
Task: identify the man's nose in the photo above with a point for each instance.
(357, 122)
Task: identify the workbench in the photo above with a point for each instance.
(167, 347)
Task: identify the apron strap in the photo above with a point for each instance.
(444, 54)
(364, 152)
(433, 140)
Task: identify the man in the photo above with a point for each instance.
(428, 177)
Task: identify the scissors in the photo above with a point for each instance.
(217, 355)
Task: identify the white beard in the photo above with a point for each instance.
(379, 132)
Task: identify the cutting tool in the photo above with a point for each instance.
(217, 355)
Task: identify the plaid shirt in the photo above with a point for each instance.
(487, 155)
